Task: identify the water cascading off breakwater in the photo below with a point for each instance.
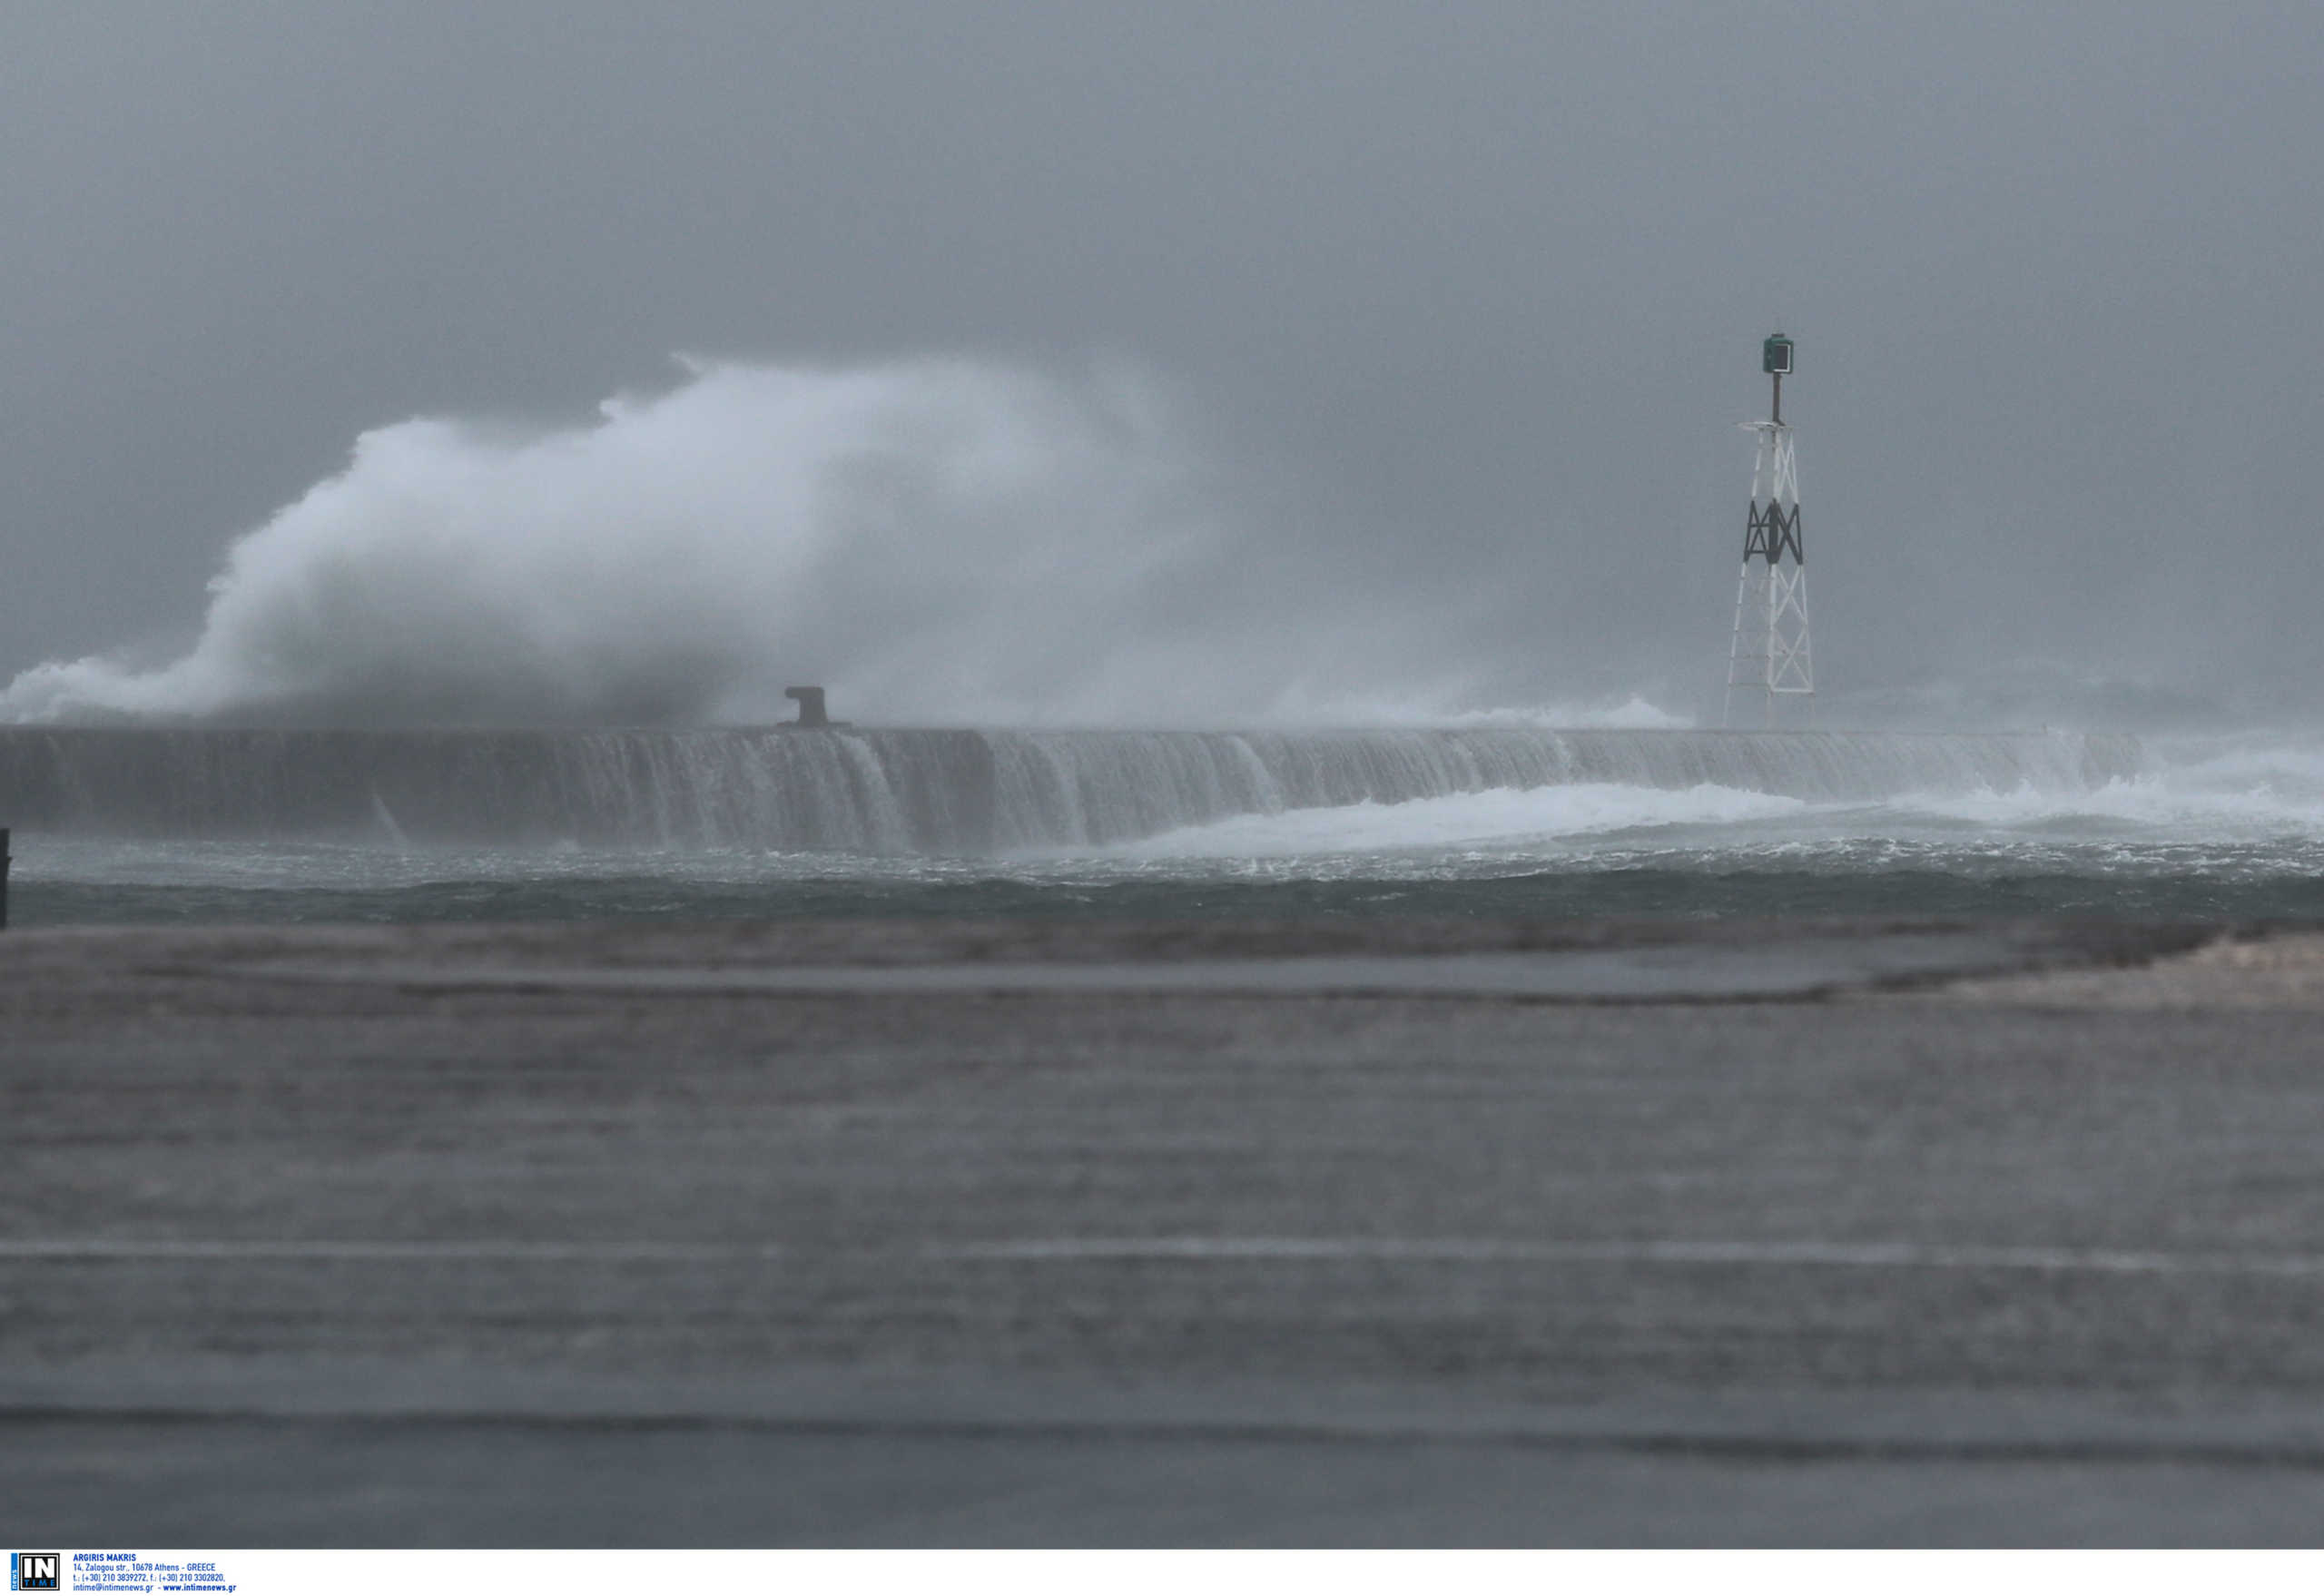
(926, 791)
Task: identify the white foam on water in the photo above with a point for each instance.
(2251, 787)
(1634, 713)
(1500, 817)
(1450, 707)
(2143, 803)
(2260, 790)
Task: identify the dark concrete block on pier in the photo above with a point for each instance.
(812, 716)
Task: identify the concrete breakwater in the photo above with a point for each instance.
(925, 791)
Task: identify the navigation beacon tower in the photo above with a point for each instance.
(1769, 656)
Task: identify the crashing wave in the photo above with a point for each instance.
(934, 792)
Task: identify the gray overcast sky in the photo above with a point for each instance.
(1474, 290)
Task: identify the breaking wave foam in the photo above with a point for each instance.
(2260, 790)
(936, 541)
(1502, 817)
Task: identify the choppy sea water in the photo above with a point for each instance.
(2228, 828)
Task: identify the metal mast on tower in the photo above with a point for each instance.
(1769, 656)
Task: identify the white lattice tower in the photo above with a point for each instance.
(1769, 656)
